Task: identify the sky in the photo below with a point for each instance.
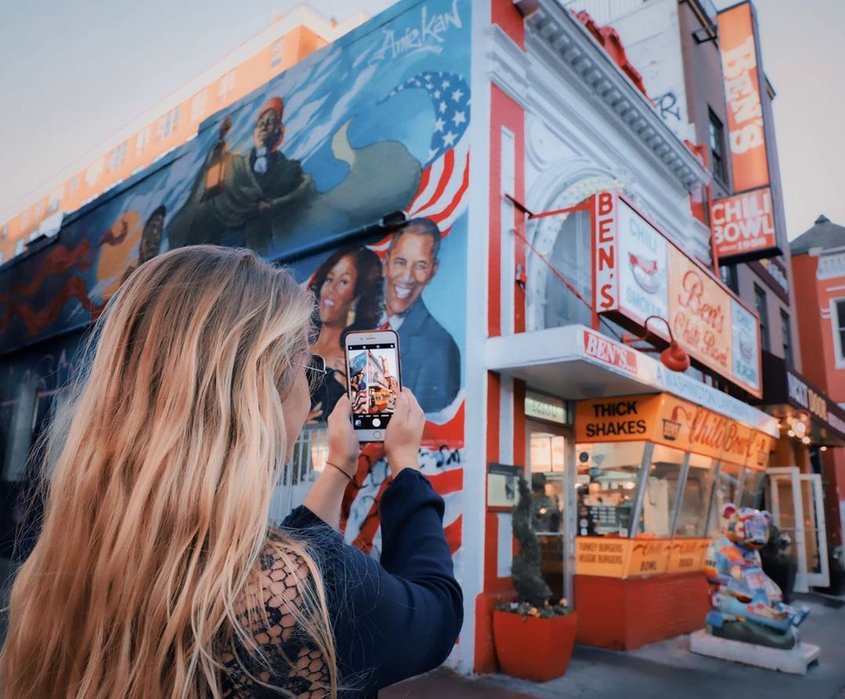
(77, 71)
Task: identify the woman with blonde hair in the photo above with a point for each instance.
(156, 573)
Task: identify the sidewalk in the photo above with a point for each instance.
(666, 668)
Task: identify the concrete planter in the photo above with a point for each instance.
(534, 648)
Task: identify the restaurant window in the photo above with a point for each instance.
(691, 519)
(608, 475)
(752, 489)
(717, 148)
(571, 256)
(726, 489)
(786, 334)
(762, 307)
(661, 491)
(839, 330)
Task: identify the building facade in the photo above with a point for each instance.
(561, 216)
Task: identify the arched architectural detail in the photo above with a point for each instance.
(563, 184)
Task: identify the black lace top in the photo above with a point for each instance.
(391, 619)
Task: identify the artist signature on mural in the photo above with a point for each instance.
(428, 35)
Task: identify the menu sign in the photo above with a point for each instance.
(640, 273)
(744, 226)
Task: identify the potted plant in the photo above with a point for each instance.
(533, 638)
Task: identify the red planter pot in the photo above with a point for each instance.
(534, 648)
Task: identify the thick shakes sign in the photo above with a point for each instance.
(640, 273)
(674, 422)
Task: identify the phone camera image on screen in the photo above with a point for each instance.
(374, 384)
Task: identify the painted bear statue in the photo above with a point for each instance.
(746, 604)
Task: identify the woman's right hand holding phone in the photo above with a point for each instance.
(404, 433)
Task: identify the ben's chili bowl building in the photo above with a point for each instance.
(591, 236)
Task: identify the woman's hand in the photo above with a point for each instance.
(343, 442)
(404, 432)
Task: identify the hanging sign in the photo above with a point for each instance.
(639, 273)
(744, 226)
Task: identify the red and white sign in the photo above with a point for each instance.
(601, 348)
(744, 224)
(639, 273)
(742, 75)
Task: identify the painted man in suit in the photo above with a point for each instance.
(257, 186)
(431, 363)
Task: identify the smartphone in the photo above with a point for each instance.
(373, 380)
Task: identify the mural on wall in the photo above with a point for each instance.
(299, 170)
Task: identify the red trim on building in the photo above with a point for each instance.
(505, 112)
(506, 16)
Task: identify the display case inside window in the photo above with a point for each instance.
(547, 453)
(607, 482)
(751, 491)
(725, 489)
(661, 491)
(691, 519)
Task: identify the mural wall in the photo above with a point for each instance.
(299, 170)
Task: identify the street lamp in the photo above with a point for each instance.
(674, 357)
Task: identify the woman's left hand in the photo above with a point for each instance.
(343, 441)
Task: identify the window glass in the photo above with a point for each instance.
(763, 309)
(16, 417)
(606, 483)
(692, 514)
(725, 490)
(717, 148)
(309, 459)
(840, 327)
(572, 257)
(751, 490)
(786, 333)
(661, 491)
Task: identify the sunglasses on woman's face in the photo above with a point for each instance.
(316, 370)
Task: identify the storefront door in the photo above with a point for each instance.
(798, 511)
(550, 448)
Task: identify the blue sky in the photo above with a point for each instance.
(76, 71)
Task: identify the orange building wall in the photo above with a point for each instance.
(161, 135)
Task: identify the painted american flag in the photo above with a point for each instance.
(445, 175)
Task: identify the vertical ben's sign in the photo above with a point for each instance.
(743, 225)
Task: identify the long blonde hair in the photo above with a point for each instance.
(157, 508)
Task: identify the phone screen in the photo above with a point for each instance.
(373, 383)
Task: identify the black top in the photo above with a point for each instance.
(391, 620)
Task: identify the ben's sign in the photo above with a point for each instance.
(639, 272)
(742, 75)
(743, 226)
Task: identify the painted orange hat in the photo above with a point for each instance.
(275, 104)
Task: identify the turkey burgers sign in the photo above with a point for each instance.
(640, 273)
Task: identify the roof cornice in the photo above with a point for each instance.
(574, 45)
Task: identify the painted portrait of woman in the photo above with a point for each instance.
(349, 290)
